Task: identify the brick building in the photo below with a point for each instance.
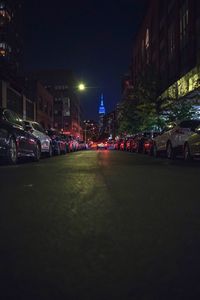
(13, 96)
(43, 101)
(169, 41)
(66, 108)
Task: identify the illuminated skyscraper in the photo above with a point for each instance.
(102, 112)
(101, 107)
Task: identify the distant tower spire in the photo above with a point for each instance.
(102, 110)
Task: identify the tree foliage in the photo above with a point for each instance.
(147, 110)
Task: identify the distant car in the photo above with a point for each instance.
(117, 144)
(82, 145)
(102, 145)
(129, 144)
(68, 142)
(111, 145)
(173, 138)
(45, 141)
(15, 140)
(122, 145)
(192, 146)
(93, 145)
(59, 144)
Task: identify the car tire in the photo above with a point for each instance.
(37, 153)
(169, 151)
(187, 153)
(12, 155)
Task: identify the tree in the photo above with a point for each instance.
(179, 110)
(150, 106)
(128, 117)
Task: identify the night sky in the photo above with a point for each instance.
(93, 38)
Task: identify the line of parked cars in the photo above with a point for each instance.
(176, 139)
(23, 138)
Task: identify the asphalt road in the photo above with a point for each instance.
(100, 225)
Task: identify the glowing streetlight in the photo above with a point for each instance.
(81, 87)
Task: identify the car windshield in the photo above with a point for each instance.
(38, 127)
(52, 133)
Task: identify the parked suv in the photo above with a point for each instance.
(15, 140)
(45, 141)
(174, 137)
(59, 144)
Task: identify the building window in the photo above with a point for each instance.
(184, 19)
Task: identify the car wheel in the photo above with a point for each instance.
(169, 151)
(187, 154)
(37, 153)
(12, 152)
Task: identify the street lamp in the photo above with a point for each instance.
(81, 87)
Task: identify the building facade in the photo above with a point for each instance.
(12, 96)
(66, 108)
(10, 37)
(109, 125)
(43, 101)
(169, 41)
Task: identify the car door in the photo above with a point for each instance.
(161, 140)
(18, 130)
(182, 132)
(41, 135)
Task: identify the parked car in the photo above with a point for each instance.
(15, 140)
(110, 145)
(122, 146)
(149, 142)
(59, 144)
(102, 145)
(173, 138)
(68, 142)
(117, 144)
(93, 145)
(129, 144)
(82, 145)
(45, 141)
(192, 145)
(140, 141)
